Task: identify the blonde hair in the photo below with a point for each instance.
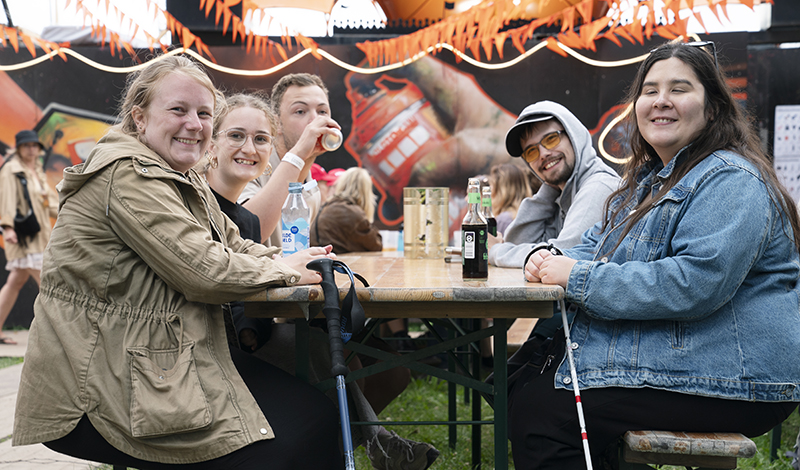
(510, 185)
(256, 100)
(356, 184)
(142, 85)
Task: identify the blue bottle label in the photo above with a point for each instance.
(294, 236)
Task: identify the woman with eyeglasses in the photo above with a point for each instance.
(687, 292)
(238, 154)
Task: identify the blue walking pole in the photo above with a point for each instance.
(336, 330)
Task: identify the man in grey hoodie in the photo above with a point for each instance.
(576, 183)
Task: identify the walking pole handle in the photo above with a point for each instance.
(332, 313)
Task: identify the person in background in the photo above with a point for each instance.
(127, 360)
(23, 253)
(345, 220)
(694, 264)
(300, 101)
(510, 185)
(325, 179)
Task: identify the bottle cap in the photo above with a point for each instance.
(331, 142)
(295, 187)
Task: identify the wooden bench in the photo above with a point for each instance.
(701, 450)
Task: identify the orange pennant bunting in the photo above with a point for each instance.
(567, 19)
(664, 32)
(13, 38)
(28, 43)
(635, 29)
(500, 42)
(487, 47)
(612, 37)
(209, 5)
(585, 10)
(623, 31)
(226, 21)
(553, 46)
(187, 38)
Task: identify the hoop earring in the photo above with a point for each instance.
(267, 170)
(212, 160)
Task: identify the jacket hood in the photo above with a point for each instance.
(587, 162)
(112, 147)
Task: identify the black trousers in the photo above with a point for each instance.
(305, 422)
(545, 433)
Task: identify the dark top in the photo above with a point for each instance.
(249, 228)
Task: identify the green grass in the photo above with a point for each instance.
(9, 361)
(426, 400)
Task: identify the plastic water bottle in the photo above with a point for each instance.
(294, 221)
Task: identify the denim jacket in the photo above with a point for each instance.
(700, 297)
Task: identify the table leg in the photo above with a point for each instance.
(475, 353)
(451, 396)
(500, 394)
(302, 333)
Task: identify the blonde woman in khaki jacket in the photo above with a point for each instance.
(127, 360)
(23, 253)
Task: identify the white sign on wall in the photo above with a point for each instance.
(786, 148)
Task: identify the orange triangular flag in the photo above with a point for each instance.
(487, 47)
(749, 3)
(209, 5)
(249, 42)
(282, 52)
(664, 32)
(613, 37)
(3, 35)
(500, 43)
(235, 27)
(187, 38)
(217, 13)
(635, 29)
(585, 10)
(226, 21)
(13, 39)
(553, 46)
(699, 19)
(28, 43)
(567, 19)
(515, 40)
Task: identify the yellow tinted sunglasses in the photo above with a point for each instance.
(549, 141)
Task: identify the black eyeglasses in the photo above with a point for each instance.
(549, 141)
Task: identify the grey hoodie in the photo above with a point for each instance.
(555, 216)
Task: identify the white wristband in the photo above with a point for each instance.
(294, 160)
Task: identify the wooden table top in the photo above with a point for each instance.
(420, 288)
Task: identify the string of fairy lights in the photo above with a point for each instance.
(354, 68)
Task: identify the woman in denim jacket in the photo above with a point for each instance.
(688, 313)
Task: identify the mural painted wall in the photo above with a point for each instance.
(435, 122)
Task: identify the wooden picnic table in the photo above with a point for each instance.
(401, 287)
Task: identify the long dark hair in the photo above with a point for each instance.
(727, 128)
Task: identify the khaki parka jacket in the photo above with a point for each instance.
(12, 199)
(128, 327)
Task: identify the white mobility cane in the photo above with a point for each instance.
(575, 388)
(570, 361)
